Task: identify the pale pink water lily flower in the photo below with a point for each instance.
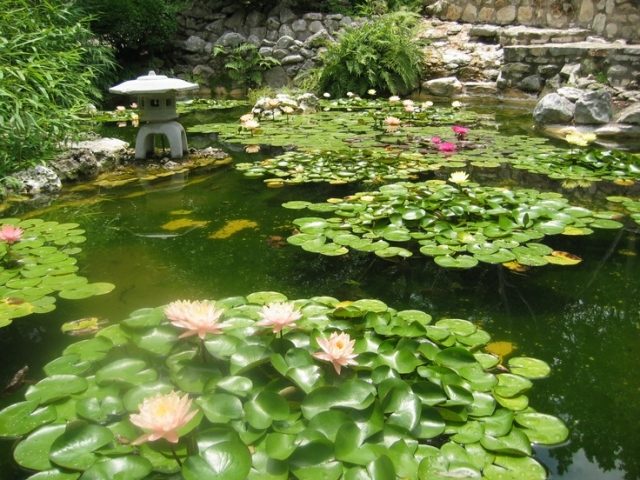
(196, 317)
(460, 131)
(162, 416)
(10, 233)
(246, 117)
(394, 99)
(392, 122)
(436, 140)
(338, 350)
(278, 315)
(447, 147)
(251, 125)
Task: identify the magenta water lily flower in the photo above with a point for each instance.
(460, 131)
(338, 350)
(447, 147)
(196, 317)
(278, 315)
(436, 140)
(10, 233)
(162, 416)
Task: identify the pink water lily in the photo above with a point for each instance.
(338, 350)
(447, 147)
(436, 140)
(278, 315)
(196, 317)
(162, 416)
(10, 233)
(460, 131)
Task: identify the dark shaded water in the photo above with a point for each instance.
(583, 320)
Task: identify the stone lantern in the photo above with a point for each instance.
(156, 98)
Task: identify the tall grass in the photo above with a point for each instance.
(49, 64)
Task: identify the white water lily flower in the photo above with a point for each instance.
(459, 177)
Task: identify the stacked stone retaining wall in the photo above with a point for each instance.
(611, 19)
(295, 40)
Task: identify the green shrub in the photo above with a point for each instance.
(381, 54)
(49, 63)
(140, 29)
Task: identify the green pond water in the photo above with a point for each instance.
(583, 320)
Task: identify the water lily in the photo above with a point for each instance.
(460, 131)
(447, 147)
(371, 91)
(246, 117)
(459, 177)
(278, 315)
(436, 140)
(338, 350)
(456, 104)
(133, 105)
(409, 108)
(427, 104)
(197, 317)
(251, 125)
(350, 94)
(326, 95)
(287, 109)
(162, 416)
(252, 148)
(392, 123)
(10, 233)
(394, 99)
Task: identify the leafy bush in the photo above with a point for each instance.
(244, 64)
(49, 63)
(144, 28)
(381, 54)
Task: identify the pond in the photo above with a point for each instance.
(584, 320)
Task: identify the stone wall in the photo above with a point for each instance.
(534, 67)
(611, 19)
(294, 39)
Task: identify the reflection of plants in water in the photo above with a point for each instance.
(413, 398)
(458, 225)
(36, 260)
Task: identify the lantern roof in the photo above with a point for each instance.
(152, 83)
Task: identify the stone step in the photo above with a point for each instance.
(612, 52)
(520, 35)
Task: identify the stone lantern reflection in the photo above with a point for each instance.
(156, 98)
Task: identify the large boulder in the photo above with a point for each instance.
(443, 87)
(593, 108)
(553, 108)
(629, 115)
(38, 180)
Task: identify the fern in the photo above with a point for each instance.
(380, 54)
(244, 64)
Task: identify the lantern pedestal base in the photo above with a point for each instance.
(172, 130)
